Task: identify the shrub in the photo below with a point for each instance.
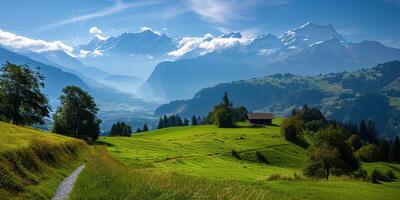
(368, 153)
(236, 154)
(377, 176)
(292, 130)
(390, 175)
(360, 174)
(285, 177)
(261, 158)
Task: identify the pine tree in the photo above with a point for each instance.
(394, 154)
(363, 130)
(145, 128)
(138, 130)
(160, 123)
(384, 149)
(166, 121)
(186, 122)
(194, 120)
(372, 132)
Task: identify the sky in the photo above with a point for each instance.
(73, 22)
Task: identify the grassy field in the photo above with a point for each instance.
(205, 153)
(33, 163)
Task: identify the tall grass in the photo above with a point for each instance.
(21, 170)
(106, 178)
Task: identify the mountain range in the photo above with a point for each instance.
(370, 94)
(57, 77)
(308, 50)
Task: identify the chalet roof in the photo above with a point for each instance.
(260, 116)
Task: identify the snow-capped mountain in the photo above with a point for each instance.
(308, 50)
(309, 34)
(146, 42)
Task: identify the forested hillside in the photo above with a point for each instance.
(372, 94)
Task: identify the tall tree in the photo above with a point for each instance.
(330, 153)
(384, 149)
(394, 154)
(223, 113)
(76, 116)
(194, 120)
(160, 123)
(21, 101)
(363, 130)
(186, 122)
(145, 128)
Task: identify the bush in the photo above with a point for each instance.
(292, 130)
(261, 158)
(377, 176)
(360, 174)
(236, 154)
(390, 175)
(368, 153)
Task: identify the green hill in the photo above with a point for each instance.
(33, 163)
(370, 94)
(198, 161)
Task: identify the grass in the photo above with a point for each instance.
(33, 163)
(206, 153)
(111, 179)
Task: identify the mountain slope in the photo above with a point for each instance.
(309, 50)
(365, 94)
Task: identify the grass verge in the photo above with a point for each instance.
(34, 164)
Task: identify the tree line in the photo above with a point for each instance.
(23, 103)
(175, 120)
(338, 147)
(224, 115)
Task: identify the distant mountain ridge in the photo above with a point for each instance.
(308, 50)
(347, 96)
(55, 79)
(145, 42)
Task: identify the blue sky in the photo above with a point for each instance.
(70, 20)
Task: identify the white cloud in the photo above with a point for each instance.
(95, 30)
(205, 44)
(224, 13)
(20, 42)
(117, 7)
(215, 11)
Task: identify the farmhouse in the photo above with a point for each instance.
(259, 118)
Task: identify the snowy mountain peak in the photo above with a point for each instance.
(309, 34)
(232, 35)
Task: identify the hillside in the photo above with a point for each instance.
(182, 162)
(308, 50)
(33, 163)
(364, 94)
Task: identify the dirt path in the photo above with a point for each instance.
(66, 186)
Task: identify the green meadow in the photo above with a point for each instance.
(265, 165)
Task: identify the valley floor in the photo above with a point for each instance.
(198, 163)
